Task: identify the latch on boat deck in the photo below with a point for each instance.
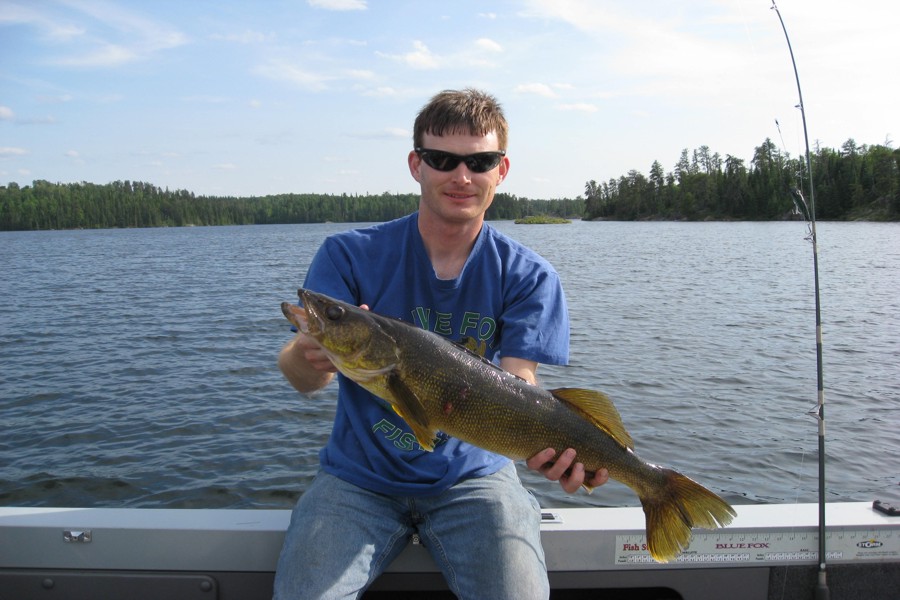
(550, 517)
(73, 536)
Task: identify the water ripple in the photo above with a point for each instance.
(139, 365)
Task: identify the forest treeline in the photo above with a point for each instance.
(854, 182)
(121, 204)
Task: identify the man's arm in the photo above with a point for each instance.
(526, 369)
(569, 474)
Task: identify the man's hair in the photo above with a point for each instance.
(467, 111)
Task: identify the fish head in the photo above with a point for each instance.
(352, 337)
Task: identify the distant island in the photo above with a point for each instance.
(542, 220)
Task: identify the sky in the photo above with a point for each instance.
(239, 98)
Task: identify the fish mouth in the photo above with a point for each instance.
(298, 316)
(308, 313)
(313, 305)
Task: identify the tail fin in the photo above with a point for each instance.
(673, 510)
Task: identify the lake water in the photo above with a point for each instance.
(137, 367)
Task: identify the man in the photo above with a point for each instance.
(446, 270)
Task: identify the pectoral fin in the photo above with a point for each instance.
(473, 345)
(410, 408)
(597, 408)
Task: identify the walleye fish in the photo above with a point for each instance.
(437, 385)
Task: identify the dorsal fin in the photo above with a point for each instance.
(477, 349)
(597, 408)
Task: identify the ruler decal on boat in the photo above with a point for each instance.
(771, 547)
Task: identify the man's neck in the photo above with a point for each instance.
(448, 244)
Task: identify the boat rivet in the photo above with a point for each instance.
(48, 584)
(205, 586)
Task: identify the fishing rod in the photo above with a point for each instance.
(822, 592)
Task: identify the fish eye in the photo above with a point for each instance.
(334, 313)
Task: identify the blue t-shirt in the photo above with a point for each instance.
(506, 296)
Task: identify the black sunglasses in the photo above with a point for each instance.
(480, 162)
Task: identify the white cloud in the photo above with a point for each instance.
(10, 151)
(111, 98)
(419, 58)
(578, 106)
(246, 37)
(381, 92)
(586, 15)
(107, 55)
(109, 36)
(538, 89)
(281, 71)
(225, 166)
(338, 4)
(422, 58)
(60, 99)
(75, 156)
(360, 74)
(489, 45)
(17, 14)
(6, 113)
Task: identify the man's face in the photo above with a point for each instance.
(461, 194)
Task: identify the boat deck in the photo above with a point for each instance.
(769, 551)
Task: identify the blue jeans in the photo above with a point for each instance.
(483, 533)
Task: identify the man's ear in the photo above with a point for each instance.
(415, 164)
(504, 169)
